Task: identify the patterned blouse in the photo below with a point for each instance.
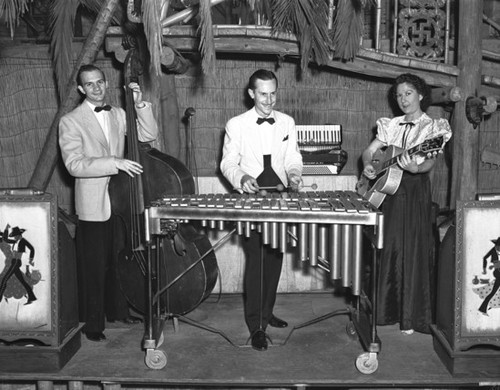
(398, 132)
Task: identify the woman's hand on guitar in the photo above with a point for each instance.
(369, 171)
(407, 162)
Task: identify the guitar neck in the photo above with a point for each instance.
(394, 160)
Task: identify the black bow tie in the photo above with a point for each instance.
(411, 124)
(107, 107)
(262, 120)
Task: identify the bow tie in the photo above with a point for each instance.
(107, 107)
(411, 124)
(262, 120)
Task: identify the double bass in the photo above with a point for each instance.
(179, 253)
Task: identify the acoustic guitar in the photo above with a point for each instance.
(388, 173)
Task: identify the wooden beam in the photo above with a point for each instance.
(261, 40)
(465, 139)
(447, 95)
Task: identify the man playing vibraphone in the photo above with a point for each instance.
(260, 150)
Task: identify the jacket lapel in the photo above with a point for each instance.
(91, 123)
(114, 136)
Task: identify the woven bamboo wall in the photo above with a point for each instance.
(318, 97)
(489, 174)
(28, 105)
(311, 97)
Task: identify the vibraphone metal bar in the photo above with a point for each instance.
(326, 226)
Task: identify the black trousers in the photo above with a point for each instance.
(487, 299)
(260, 281)
(15, 269)
(100, 295)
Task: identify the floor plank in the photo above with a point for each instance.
(321, 355)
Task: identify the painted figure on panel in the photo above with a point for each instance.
(14, 246)
(488, 292)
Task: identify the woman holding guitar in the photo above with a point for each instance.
(406, 274)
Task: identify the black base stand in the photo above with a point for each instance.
(43, 358)
(473, 362)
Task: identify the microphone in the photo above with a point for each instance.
(190, 111)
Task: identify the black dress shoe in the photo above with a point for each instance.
(276, 322)
(259, 340)
(95, 336)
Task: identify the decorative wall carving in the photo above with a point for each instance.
(421, 29)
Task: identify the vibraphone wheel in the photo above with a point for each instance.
(351, 330)
(367, 363)
(155, 359)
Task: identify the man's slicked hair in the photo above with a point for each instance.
(87, 68)
(261, 74)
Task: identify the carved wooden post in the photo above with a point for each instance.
(465, 137)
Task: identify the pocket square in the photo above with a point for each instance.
(285, 139)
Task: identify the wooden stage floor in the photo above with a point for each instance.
(321, 355)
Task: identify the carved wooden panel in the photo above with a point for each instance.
(421, 29)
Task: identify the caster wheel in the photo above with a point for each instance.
(155, 359)
(367, 363)
(351, 330)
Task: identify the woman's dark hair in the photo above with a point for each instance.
(420, 85)
(87, 68)
(261, 74)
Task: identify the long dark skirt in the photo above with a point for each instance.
(406, 283)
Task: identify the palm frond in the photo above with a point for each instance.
(11, 10)
(151, 12)
(95, 7)
(348, 28)
(207, 45)
(62, 15)
(308, 20)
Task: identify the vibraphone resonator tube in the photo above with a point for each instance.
(327, 227)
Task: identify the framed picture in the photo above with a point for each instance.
(28, 268)
(477, 273)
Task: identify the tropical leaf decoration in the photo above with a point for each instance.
(151, 12)
(308, 20)
(11, 10)
(62, 18)
(348, 28)
(62, 15)
(207, 45)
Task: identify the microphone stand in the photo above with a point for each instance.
(189, 113)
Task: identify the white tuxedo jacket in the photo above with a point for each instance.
(243, 150)
(89, 157)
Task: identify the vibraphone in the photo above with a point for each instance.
(326, 226)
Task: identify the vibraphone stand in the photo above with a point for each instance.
(153, 339)
(325, 225)
(361, 324)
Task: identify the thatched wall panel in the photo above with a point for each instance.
(28, 105)
(489, 137)
(311, 97)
